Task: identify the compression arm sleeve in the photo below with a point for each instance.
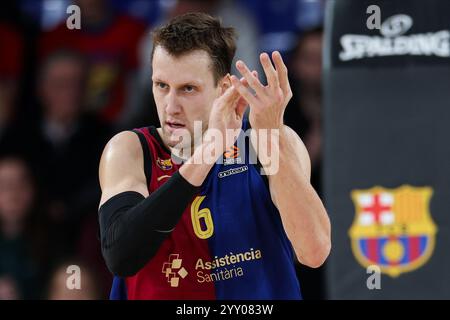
(132, 228)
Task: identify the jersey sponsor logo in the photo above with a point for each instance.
(226, 267)
(164, 164)
(232, 171)
(393, 228)
(222, 268)
(232, 152)
(232, 156)
(173, 270)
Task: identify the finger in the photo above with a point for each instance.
(282, 72)
(241, 106)
(244, 81)
(251, 79)
(229, 97)
(243, 91)
(269, 70)
(234, 97)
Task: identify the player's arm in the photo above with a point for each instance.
(302, 213)
(133, 224)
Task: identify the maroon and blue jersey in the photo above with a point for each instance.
(228, 244)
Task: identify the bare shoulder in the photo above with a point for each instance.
(301, 149)
(123, 145)
(122, 166)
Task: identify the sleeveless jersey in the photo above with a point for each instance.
(229, 242)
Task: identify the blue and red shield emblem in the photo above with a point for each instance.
(393, 228)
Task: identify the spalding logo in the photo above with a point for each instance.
(394, 42)
(396, 25)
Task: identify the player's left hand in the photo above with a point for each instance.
(269, 102)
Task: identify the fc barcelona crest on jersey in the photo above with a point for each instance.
(165, 164)
(393, 228)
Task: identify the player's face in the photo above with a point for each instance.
(184, 91)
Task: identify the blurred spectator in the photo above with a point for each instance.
(304, 112)
(24, 241)
(64, 144)
(109, 41)
(58, 289)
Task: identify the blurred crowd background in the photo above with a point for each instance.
(64, 93)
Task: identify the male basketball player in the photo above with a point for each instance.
(203, 230)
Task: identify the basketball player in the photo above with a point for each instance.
(202, 230)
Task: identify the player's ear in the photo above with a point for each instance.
(225, 83)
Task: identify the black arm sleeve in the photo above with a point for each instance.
(132, 227)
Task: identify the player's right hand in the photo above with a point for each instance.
(227, 114)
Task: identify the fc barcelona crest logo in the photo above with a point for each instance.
(393, 228)
(165, 164)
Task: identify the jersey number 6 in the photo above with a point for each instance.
(204, 214)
